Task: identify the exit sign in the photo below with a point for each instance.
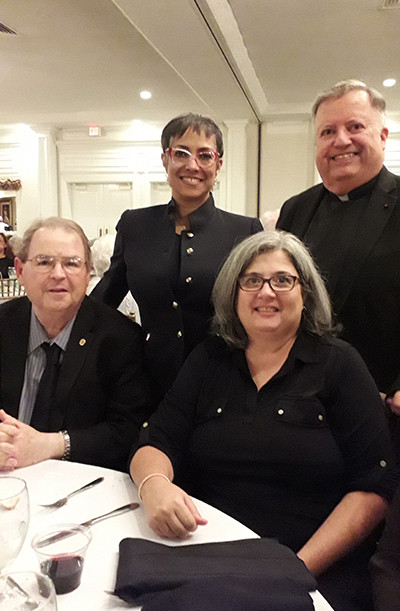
(94, 130)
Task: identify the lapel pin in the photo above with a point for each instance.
(82, 341)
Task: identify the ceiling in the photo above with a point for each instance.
(86, 61)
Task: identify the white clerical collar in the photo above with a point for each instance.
(343, 198)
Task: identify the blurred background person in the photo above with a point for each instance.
(269, 219)
(275, 422)
(5, 260)
(168, 256)
(102, 249)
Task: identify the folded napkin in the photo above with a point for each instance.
(245, 575)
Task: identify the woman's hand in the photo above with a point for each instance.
(170, 512)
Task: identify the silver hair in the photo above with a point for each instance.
(317, 313)
(343, 87)
(102, 250)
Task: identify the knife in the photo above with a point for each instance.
(63, 534)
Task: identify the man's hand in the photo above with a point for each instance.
(394, 403)
(8, 431)
(21, 445)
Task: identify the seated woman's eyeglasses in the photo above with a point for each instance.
(44, 264)
(204, 158)
(278, 283)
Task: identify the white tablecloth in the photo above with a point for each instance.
(53, 479)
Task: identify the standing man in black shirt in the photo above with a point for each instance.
(351, 223)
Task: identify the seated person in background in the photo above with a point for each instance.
(72, 383)
(275, 422)
(102, 249)
(385, 564)
(5, 260)
(269, 219)
(13, 245)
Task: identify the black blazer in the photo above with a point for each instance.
(102, 396)
(145, 252)
(366, 299)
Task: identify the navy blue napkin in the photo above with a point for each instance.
(245, 575)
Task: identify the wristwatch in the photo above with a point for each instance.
(67, 445)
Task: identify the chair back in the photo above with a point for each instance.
(10, 288)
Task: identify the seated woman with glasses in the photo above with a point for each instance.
(275, 422)
(168, 256)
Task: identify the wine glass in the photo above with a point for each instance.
(14, 518)
(12, 274)
(27, 591)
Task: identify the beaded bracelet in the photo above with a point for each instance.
(147, 478)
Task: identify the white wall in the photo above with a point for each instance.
(287, 161)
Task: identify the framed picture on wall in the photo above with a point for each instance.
(7, 212)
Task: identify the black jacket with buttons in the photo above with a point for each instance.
(102, 395)
(143, 258)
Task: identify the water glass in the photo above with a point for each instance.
(27, 591)
(14, 518)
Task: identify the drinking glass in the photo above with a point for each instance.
(61, 551)
(27, 591)
(14, 518)
(12, 273)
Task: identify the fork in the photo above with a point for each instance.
(63, 501)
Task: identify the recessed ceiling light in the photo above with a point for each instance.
(145, 95)
(389, 82)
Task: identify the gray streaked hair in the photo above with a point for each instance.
(53, 222)
(343, 87)
(317, 315)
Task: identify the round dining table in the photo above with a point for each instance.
(53, 479)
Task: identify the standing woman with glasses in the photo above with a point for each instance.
(168, 256)
(275, 422)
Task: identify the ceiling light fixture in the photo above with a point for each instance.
(145, 95)
(389, 82)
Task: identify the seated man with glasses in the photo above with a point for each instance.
(72, 384)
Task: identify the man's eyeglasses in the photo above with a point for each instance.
(204, 158)
(44, 264)
(278, 283)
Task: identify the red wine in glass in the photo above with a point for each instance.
(64, 571)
